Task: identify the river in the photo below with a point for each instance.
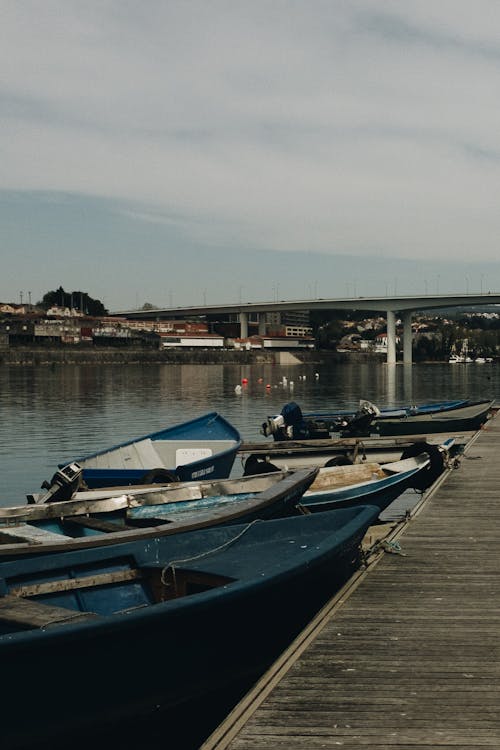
(52, 415)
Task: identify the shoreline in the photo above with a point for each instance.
(74, 355)
(43, 356)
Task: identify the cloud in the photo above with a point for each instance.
(337, 127)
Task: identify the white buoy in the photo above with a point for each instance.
(316, 375)
(237, 389)
(284, 381)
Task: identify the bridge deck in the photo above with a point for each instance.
(409, 657)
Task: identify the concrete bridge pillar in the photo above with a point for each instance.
(391, 337)
(262, 324)
(407, 338)
(243, 325)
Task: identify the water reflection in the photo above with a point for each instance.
(391, 383)
(51, 415)
(408, 384)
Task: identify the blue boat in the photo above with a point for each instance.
(374, 483)
(369, 420)
(94, 518)
(96, 635)
(203, 448)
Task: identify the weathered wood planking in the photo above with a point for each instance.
(410, 658)
(26, 613)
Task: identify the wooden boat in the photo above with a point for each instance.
(373, 483)
(447, 417)
(200, 448)
(106, 633)
(102, 517)
(469, 417)
(295, 454)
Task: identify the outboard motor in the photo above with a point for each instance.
(361, 422)
(289, 425)
(62, 486)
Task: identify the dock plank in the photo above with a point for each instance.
(410, 657)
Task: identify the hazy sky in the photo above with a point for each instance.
(214, 150)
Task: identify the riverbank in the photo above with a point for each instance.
(75, 355)
(33, 355)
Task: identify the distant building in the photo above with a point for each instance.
(188, 340)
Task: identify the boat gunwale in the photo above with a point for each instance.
(307, 559)
(203, 419)
(205, 519)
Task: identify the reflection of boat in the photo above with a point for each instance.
(95, 518)
(446, 417)
(201, 448)
(161, 622)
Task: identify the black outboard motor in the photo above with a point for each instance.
(62, 486)
(289, 425)
(359, 424)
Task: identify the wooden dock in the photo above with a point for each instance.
(407, 656)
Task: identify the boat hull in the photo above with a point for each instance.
(381, 493)
(462, 419)
(202, 448)
(177, 651)
(89, 521)
(445, 417)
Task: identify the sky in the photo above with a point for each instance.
(189, 151)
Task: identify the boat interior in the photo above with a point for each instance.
(343, 476)
(56, 522)
(151, 454)
(70, 595)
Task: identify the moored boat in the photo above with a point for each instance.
(346, 484)
(111, 632)
(446, 417)
(294, 454)
(373, 483)
(95, 518)
(200, 448)
(464, 418)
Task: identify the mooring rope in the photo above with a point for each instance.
(171, 565)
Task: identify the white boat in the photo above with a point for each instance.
(463, 357)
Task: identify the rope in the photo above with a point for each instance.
(392, 547)
(385, 545)
(173, 563)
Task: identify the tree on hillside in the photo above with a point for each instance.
(78, 300)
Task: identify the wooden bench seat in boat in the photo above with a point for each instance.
(96, 524)
(25, 532)
(79, 582)
(27, 613)
(347, 475)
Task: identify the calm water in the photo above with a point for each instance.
(51, 415)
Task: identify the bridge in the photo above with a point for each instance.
(403, 306)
